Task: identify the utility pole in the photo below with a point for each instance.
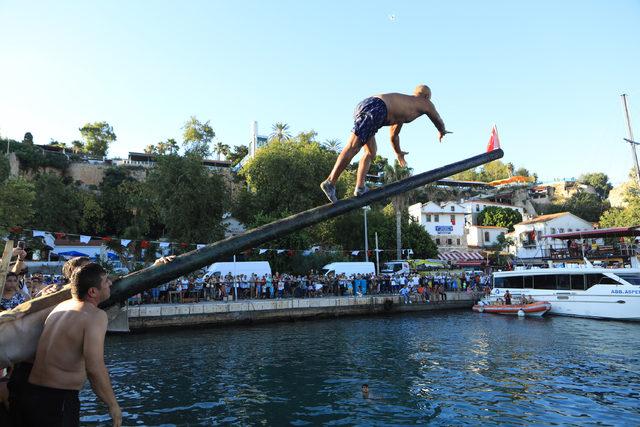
(630, 140)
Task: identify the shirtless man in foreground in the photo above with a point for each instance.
(70, 350)
(389, 109)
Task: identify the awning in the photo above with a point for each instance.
(474, 263)
(460, 256)
(598, 233)
(73, 254)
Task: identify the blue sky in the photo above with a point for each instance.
(548, 73)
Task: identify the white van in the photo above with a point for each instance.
(260, 268)
(349, 268)
(396, 267)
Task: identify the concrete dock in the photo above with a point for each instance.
(152, 316)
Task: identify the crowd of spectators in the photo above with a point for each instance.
(414, 287)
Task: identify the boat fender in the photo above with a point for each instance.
(521, 313)
(481, 309)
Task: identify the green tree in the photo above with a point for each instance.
(97, 136)
(280, 132)
(586, 206)
(221, 149)
(77, 146)
(58, 205)
(522, 172)
(188, 199)
(28, 138)
(497, 216)
(197, 137)
(599, 181)
(238, 152)
(92, 219)
(5, 168)
(284, 176)
(150, 149)
(16, 202)
(113, 201)
(493, 171)
(392, 174)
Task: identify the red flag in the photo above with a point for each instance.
(494, 141)
(144, 244)
(59, 235)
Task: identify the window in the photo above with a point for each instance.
(634, 279)
(528, 282)
(563, 281)
(449, 241)
(592, 279)
(437, 241)
(486, 236)
(453, 208)
(458, 242)
(428, 218)
(436, 218)
(553, 230)
(513, 282)
(560, 230)
(547, 281)
(577, 282)
(477, 208)
(453, 219)
(569, 230)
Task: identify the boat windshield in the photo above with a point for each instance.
(634, 278)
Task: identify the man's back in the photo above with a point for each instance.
(60, 356)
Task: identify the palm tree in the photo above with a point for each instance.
(510, 169)
(332, 145)
(392, 174)
(221, 149)
(150, 149)
(280, 132)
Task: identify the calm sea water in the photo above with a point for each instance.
(456, 368)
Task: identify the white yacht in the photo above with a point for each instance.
(577, 290)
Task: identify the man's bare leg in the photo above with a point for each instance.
(370, 150)
(348, 153)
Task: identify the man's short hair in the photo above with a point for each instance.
(11, 274)
(70, 266)
(422, 90)
(86, 277)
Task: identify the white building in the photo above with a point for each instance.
(528, 235)
(445, 223)
(481, 236)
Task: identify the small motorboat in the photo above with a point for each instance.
(536, 308)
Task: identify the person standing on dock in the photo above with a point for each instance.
(70, 350)
(389, 109)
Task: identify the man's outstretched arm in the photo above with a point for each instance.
(437, 121)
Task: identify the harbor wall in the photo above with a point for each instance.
(153, 316)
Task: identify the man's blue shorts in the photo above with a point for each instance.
(369, 116)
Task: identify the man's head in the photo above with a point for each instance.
(11, 282)
(422, 91)
(74, 263)
(90, 282)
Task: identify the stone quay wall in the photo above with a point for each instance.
(154, 316)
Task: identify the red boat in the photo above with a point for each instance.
(537, 308)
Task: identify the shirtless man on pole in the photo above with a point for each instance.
(70, 350)
(389, 109)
